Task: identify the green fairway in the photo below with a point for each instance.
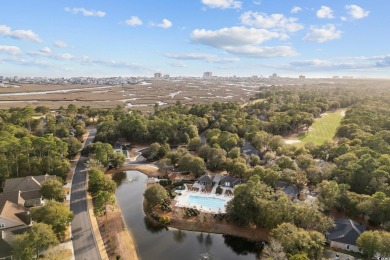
(323, 129)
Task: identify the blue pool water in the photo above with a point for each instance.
(207, 202)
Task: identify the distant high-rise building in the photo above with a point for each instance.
(207, 75)
(274, 76)
(157, 75)
(302, 77)
(166, 76)
(1, 79)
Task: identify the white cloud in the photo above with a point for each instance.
(341, 63)
(242, 41)
(201, 56)
(165, 24)
(323, 34)
(19, 34)
(85, 12)
(296, 9)
(325, 12)
(134, 21)
(61, 44)
(356, 12)
(222, 4)
(12, 50)
(31, 63)
(46, 50)
(262, 51)
(190, 56)
(177, 64)
(109, 63)
(273, 21)
(65, 56)
(232, 36)
(257, 2)
(383, 61)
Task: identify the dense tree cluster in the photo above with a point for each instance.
(32, 155)
(350, 173)
(52, 189)
(53, 213)
(254, 203)
(32, 243)
(296, 241)
(105, 154)
(155, 195)
(36, 141)
(101, 187)
(375, 242)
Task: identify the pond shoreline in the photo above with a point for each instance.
(216, 227)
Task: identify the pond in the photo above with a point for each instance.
(156, 242)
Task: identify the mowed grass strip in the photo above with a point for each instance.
(323, 129)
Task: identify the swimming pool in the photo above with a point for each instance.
(207, 202)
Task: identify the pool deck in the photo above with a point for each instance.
(182, 200)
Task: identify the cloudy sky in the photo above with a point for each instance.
(187, 37)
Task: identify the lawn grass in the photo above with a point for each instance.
(323, 129)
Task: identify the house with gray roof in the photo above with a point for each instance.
(206, 180)
(18, 194)
(344, 234)
(25, 191)
(12, 215)
(290, 190)
(229, 181)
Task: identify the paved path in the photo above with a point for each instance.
(84, 243)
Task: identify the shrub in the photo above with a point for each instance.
(164, 219)
(165, 206)
(219, 190)
(165, 183)
(191, 212)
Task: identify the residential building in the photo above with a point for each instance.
(207, 75)
(157, 75)
(290, 190)
(344, 234)
(274, 76)
(19, 194)
(12, 215)
(229, 181)
(206, 180)
(25, 191)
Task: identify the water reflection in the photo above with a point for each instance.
(119, 178)
(153, 227)
(179, 236)
(241, 246)
(200, 238)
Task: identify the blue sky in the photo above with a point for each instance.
(100, 38)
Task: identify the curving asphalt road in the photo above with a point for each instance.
(84, 243)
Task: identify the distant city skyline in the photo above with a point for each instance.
(61, 38)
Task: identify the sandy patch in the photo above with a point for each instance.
(292, 141)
